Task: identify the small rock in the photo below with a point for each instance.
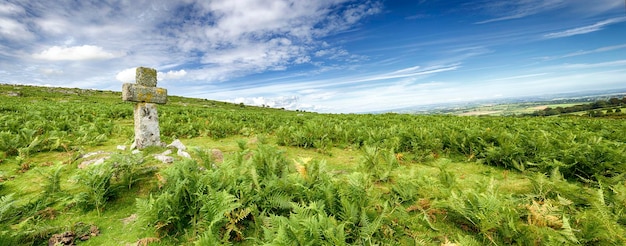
(164, 158)
(14, 94)
(94, 231)
(65, 238)
(136, 151)
(92, 162)
(177, 144)
(167, 152)
(129, 219)
(183, 154)
(90, 154)
(121, 147)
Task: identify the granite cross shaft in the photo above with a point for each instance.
(145, 93)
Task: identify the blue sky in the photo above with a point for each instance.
(327, 56)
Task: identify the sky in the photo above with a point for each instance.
(336, 56)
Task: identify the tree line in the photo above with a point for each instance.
(612, 106)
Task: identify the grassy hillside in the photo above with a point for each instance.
(290, 178)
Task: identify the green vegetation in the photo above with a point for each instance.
(565, 106)
(294, 178)
(600, 108)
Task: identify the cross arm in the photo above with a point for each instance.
(138, 93)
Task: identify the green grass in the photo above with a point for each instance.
(468, 176)
(389, 179)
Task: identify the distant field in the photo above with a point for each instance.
(510, 109)
(603, 110)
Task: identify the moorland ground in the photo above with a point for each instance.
(290, 177)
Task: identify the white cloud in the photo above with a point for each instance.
(126, 75)
(10, 28)
(598, 50)
(339, 54)
(10, 9)
(287, 102)
(586, 52)
(583, 8)
(319, 88)
(74, 53)
(54, 26)
(585, 29)
(356, 93)
(171, 75)
(616, 63)
(51, 71)
(519, 77)
(14, 30)
(355, 14)
(509, 10)
(256, 56)
(211, 41)
(251, 36)
(198, 43)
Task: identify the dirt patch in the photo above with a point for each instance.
(542, 107)
(217, 155)
(129, 219)
(81, 232)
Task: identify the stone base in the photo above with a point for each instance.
(146, 125)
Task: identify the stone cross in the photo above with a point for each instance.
(146, 94)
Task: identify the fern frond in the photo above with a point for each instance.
(7, 207)
(567, 231)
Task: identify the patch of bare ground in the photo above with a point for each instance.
(542, 107)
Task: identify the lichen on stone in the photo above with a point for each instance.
(146, 76)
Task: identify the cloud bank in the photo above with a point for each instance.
(211, 41)
(75, 53)
(327, 55)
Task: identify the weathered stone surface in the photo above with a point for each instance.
(138, 93)
(146, 76)
(93, 159)
(147, 131)
(146, 118)
(177, 144)
(183, 154)
(14, 94)
(93, 162)
(163, 158)
(90, 154)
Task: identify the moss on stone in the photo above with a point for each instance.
(146, 76)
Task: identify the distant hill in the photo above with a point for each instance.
(513, 106)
